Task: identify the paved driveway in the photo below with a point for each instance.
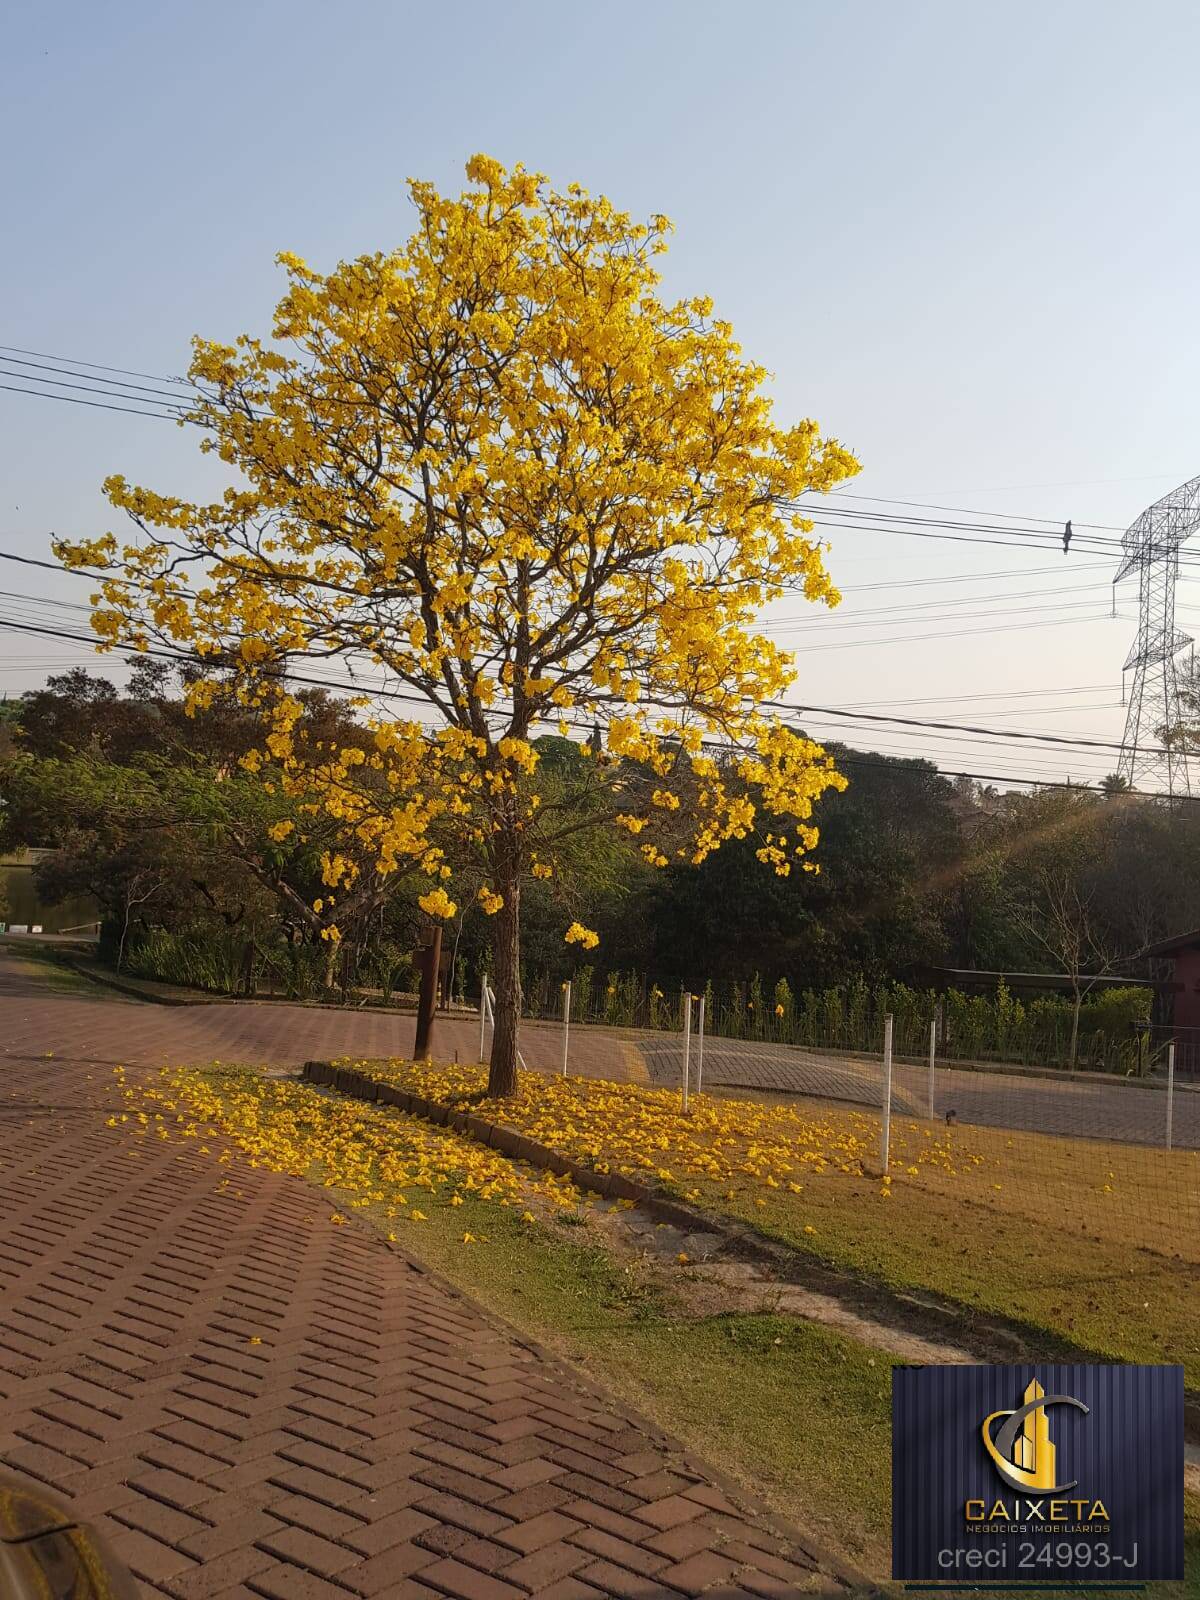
(104, 1028)
(1076, 1106)
(252, 1401)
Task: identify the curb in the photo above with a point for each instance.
(746, 1243)
(610, 1185)
(130, 987)
(346, 1081)
(110, 981)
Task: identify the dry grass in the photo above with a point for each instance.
(1095, 1244)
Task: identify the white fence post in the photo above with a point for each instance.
(483, 1015)
(566, 1023)
(886, 1135)
(700, 1044)
(687, 1047)
(932, 1060)
(1170, 1091)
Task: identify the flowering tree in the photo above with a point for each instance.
(497, 468)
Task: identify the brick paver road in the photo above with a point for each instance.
(106, 1029)
(102, 1027)
(252, 1401)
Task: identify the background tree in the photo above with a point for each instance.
(889, 848)
(1186, 732)
(915, 870)
(1057, 845)
(175, 835)
(497, 467)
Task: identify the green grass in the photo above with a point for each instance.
(1113, 1299)
(1087, 1246)
(45, 965)
(743, 1390)
(798, 1412)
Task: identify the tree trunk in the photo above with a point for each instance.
(502, 1073)
(1078, 999)
(124, 933)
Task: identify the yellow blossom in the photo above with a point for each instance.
(586, 512)
(437, 903)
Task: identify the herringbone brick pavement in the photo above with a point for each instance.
(253, 1400)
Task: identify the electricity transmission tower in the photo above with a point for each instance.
(1151, 546)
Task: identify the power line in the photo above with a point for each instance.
(44, 600)
(99, 405)
(775, 705)
(180, 396)
(850, 516)
(50, 566)
(842, 494)
(926, 722)
(834, 504)
(852, 760)
(79, 362)
(906, 617)
(1039, 711)
(998, 694)
(942, 633)
(849, 760)
(85, 388)
(1006, 516)
(974, 532)
(926, 533)
(978, 577)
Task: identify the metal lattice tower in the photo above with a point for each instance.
(1151, 546)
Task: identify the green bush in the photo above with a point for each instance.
(996, 1027)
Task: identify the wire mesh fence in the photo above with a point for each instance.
(1108, 1035)
(1091, 1155)
(1065, 1201)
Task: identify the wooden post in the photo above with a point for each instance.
(431, 960)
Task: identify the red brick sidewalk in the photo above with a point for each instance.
(255, 1401)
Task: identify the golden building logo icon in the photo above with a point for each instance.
(1022, 1451)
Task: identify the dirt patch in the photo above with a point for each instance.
(700, 1279)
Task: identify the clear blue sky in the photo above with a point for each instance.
(960, 235)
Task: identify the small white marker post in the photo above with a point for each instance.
(932, 1060)
(687, 1047)
(483, 1015)
(489, 1000)
(566, 1023)
(700, 1044)
(1170, 1091)
(886, 1135)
